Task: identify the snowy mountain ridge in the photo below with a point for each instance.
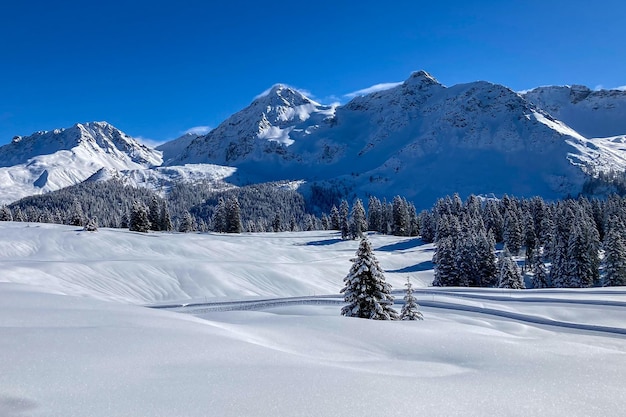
(47, 161)
(417, 138)
(479, 137)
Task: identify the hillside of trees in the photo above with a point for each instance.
(508, 242)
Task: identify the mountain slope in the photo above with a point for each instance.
(593, 114)
(47, 161)
(420, 139)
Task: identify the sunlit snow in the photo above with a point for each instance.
(76, 340)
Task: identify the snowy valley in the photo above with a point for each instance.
(77, 339)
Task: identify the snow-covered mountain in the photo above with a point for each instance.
(419, 139)
(261, 132)
(594, 114)
(47, 161)
(161, 179)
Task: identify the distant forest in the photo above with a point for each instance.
(508, 242)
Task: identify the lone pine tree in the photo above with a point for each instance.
(367, 293)
(410, 309)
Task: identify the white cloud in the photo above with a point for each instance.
(372, 89)
(199, 130)
(151, 143)
(601, 87)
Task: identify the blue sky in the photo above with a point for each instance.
(155, 69)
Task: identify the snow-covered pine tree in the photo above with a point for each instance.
(154, 214)
(5, 214)
(220, 216)
(493, 220)
(344, 226)
(414, 222)
(374, 214)
(91, 225)
(508, 273)
(367, 293)
(428, 226)
(358, 222)
(466, 260)
(233, 217)
(410, 309)
(76, 216)
(512, 232)
(540, 277)
(139, 218)
(446, 273)
(335, 221)
(530, 239)
(401, 220)
(187, 223)
(165, 219)
(486, 260)
(614, 256)
(277, 224)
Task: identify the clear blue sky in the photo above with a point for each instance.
(157, 68)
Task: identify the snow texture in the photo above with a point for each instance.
(67, 351)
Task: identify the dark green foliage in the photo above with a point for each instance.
(366, 292)
(139, 218)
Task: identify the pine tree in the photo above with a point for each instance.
(220, 223)
(374, 214)
(358, 222)
(343, 219)
(410, 309)
(187, 223)
(446, 273)
(428, 226)
(139, 218)
(325, 222)
(367, 293)
(91, 225)
(335, 220)
(512, 232)
(401, 220)
(5, 214)
(277, 224)
(165, 219)
(233, 217)
(486, 260)
(154, 214)
(508, 273)
(540, 274)
(614, 257)
(76, 216)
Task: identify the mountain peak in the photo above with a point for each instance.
(421, 79)
(283, 95)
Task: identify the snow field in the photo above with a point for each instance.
(73, 343)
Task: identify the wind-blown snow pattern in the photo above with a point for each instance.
(263, 335)
(47, 161)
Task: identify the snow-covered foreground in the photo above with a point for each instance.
(75, 340)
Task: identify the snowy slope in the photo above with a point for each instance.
(262, 131)
(469, 138)
(68, 352)
(161, 179)
(594, 114)
(47, 161)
